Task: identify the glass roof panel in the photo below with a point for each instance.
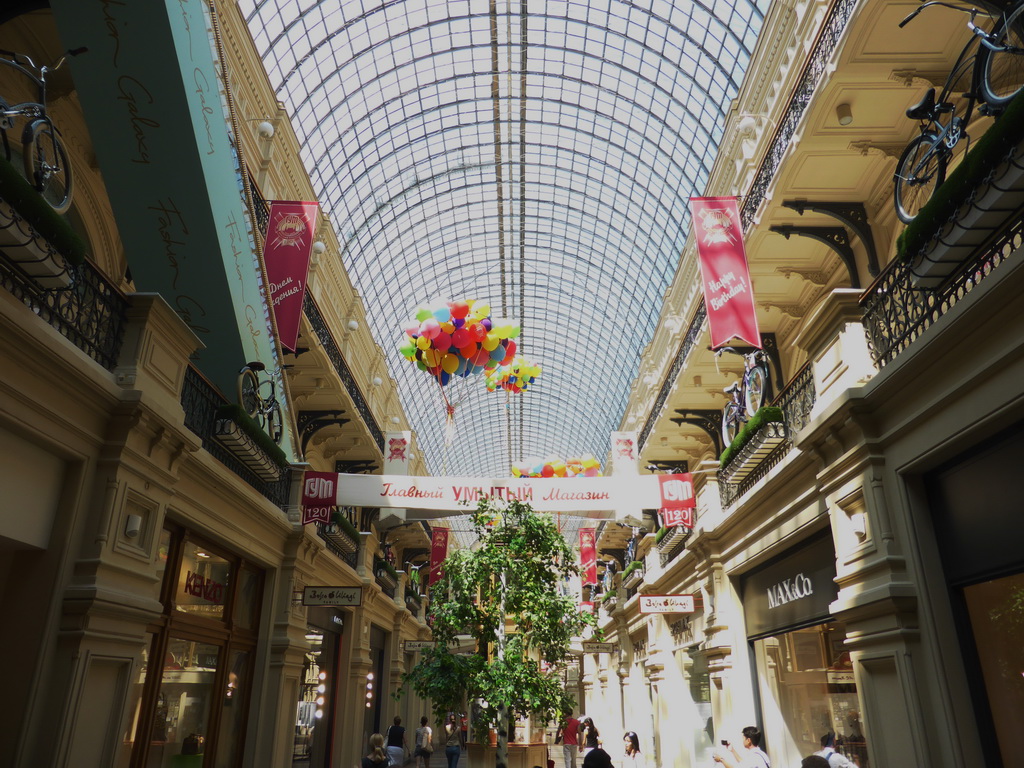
(534, 155)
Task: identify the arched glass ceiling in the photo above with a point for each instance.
(534, 155)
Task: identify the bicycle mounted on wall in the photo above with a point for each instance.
(259, 400)
(747, 394)
(46, 162)
(994, 61)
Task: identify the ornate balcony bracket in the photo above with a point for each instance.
(311, 422)
(834, 237)
(356, 467)
(708, 419)
(852, 215)
(672, 467)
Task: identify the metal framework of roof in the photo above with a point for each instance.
(538, 156)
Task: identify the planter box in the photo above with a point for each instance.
(985, 211)
(231, 436)
(610, 603)
(29, 252)
(634, 578)
(340, 538)
(673, 542)
(757, 449)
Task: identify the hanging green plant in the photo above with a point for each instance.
(345, 525)
(764, 415)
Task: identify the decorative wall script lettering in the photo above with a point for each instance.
(206, 589)
(789, 590)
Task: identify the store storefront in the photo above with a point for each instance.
(318, 690)
(805, 677)
(194, 687)
(976, 513)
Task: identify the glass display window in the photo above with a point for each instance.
(808, 692)
(996, 611)
(195, 681)
(203, 582)
(317, 692)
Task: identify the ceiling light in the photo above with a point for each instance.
(353, 325)
(844, 114)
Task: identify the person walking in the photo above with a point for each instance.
(377, 758)
(568, 734)
(424, 744)
(752, 755)
(828, 751)
(396, 742)
(590, 738)
(453, 743)
(631, 744)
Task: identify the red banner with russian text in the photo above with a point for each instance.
(438, 552)
(588, 556)
(319, 495)
(728, 292)
(678, 500)
(286, 255)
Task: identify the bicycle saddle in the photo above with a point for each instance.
(732, 388)
(924, 107)
(256, 365)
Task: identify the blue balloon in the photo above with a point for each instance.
(445, 378)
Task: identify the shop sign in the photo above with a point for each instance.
(419, 645)
(336, 596)
(667, 604)
(599, 647)
(795, 589)
(840, 678)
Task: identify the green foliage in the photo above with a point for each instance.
(661, 534)
(763, 416)
(345, 524)
(512, 580)
(383, 565)
(636, 565)
(987, 152)
(54, 228)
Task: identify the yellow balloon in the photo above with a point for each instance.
(449, 363)
(423, 342)
(491, 341)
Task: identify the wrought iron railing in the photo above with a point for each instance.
(323, 333)
(260, 209)
(838, 17)
(90, 313)
(200, 400)
(693, 332)
(796, 401)
(383, 577)
(896, 312)
(350, 557)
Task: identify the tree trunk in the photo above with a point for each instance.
(501, 753)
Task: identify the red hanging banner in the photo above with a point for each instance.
(677, 500)
(588, 556)
(728, 292)
(286, 255)
(319, 495)
(438, 552)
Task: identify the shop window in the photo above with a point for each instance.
(808, 691)
(195, 682)
(996, 610)
(317, 692)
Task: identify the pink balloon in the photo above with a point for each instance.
(430, 328)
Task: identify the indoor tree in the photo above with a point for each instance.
(507, 592)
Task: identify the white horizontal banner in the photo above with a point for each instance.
(460, 494)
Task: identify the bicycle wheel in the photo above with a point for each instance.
(249, 394)
(912, 190)
(46, 164)
(756, 389)
(1002, 70)
(730, 423)
(275, 422)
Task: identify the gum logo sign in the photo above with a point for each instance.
(677, 500)
(319, 496)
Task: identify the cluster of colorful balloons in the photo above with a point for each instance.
(458, 338)
(516, 377)
(553, 466)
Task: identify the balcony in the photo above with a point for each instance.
(671, 543)
(385, 575)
